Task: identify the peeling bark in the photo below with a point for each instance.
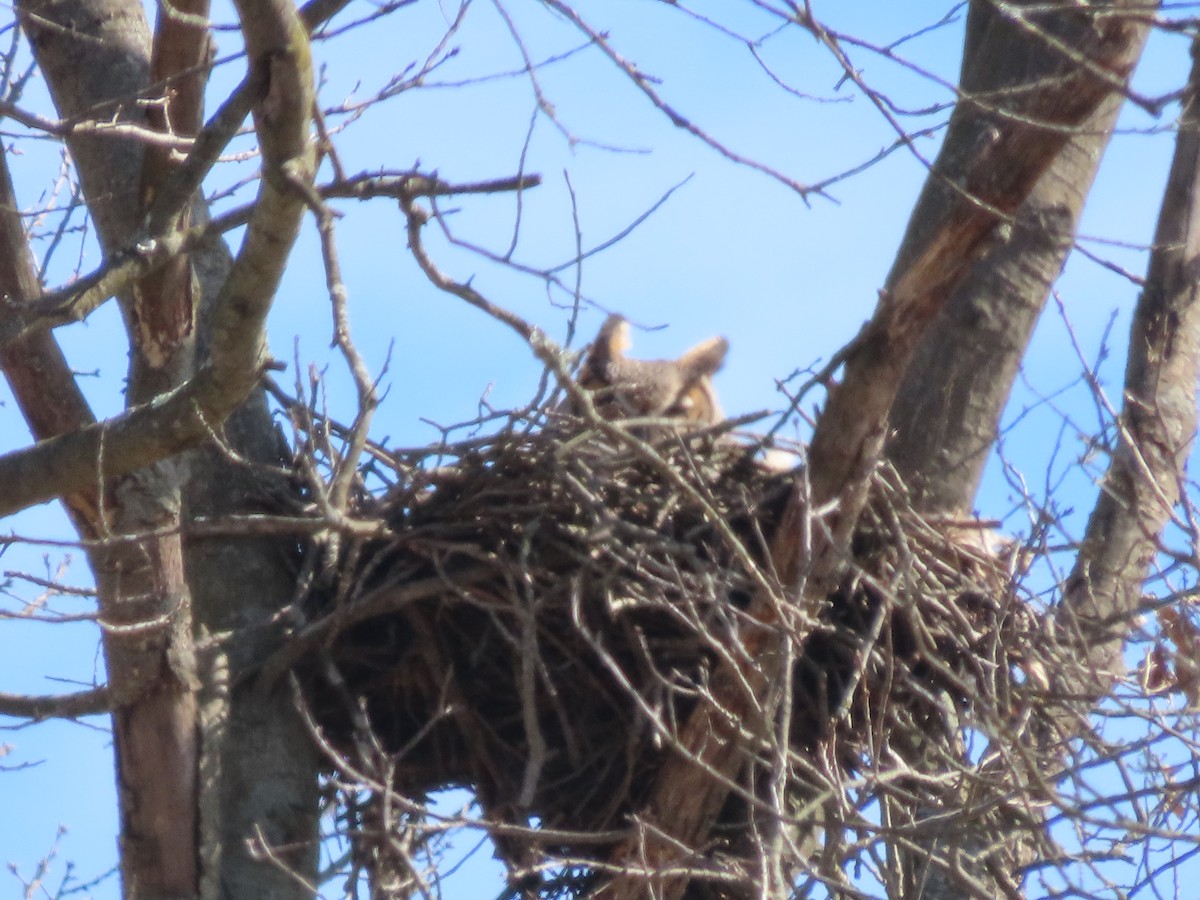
(941, 436)
(163, 310)
(992, 173)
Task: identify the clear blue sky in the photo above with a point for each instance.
(733, 252)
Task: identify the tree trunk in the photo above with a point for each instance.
(946, 414)
(252, 782)
(944, 422)
(144, 599)
(1156, 433)
(977, 186)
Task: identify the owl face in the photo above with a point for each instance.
(680, 389)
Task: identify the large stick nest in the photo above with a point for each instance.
(548, 606)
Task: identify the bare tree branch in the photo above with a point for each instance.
(1157, 429)
(162, 242)
(36, 370)
(193, 411)
(64, 706)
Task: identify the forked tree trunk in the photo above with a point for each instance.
(203, 778)
(943, 437)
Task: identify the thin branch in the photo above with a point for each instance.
(65, 706)
(642, 82)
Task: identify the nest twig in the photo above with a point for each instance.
(548, 606)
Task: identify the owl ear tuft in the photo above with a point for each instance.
(614, 339)
(607, 350)
(704, 359)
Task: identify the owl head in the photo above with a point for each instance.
(680, 389)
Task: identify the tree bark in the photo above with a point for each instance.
(945, 418)
(1011, 150)
(1157, 430)
(946, 414)
(144, 600)
(258, 776)
(1156, 434)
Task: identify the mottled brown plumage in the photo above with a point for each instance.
(656, 388)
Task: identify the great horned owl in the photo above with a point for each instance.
(659, 388)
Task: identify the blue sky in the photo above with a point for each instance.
(732, 252)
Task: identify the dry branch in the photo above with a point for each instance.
(62, 706)
(547, 616)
